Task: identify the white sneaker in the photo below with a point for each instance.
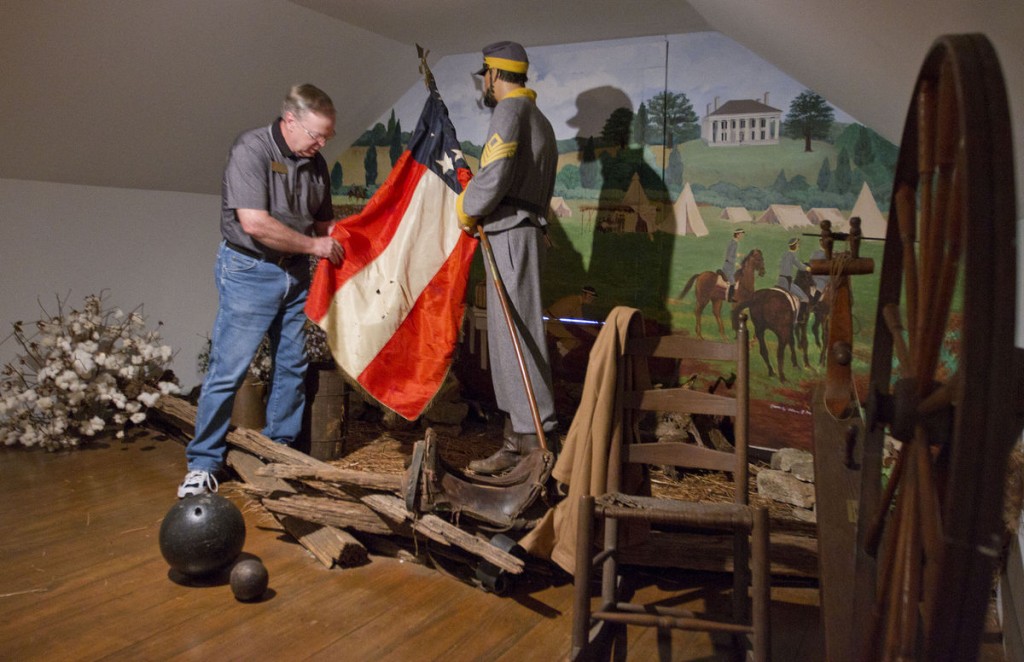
(197, 482)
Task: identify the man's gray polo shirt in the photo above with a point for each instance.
(263, 173)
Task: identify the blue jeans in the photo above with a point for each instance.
(256, 298)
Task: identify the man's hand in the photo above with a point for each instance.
(329, 248)
(466, 222)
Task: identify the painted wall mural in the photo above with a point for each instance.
(669, 146)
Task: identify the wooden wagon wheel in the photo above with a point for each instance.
(943, 372)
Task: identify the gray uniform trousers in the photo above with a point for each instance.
(520, 253)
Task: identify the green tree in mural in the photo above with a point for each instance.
(781, 183)
(391, 125)
(640, 125)
(671, 116)
(810, 117)
(378, 135)
(674, 172)
(568, 178)
(336, 178)
(370, 163)
(590, 169)
(396, 141)
(824, 175)
(863, 153)
(842, 178)
(617, 128)
(617, 171)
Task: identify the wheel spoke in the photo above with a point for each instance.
(906, 218)
(937, 322)
(877, 526)
(891, 314)
(924, 219)
(927, 495)
(910, 594)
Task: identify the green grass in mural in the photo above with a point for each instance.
(759, 164)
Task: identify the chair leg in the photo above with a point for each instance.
(610, 567)
(761, 586)
(740, 577)
(581, 580)
(664, 644)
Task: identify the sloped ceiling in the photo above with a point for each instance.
(150, 94)
(462, 26)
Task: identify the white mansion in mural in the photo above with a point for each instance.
(742, 122)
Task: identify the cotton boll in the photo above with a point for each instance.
(149, 398)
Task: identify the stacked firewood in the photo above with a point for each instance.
(339, 515)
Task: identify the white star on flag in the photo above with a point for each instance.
(446, 163)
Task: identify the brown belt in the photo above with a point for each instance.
(280, 261)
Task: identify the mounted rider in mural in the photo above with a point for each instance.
(729, 264)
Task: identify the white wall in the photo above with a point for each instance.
(146, 247)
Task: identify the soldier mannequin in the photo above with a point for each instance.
(509, 197)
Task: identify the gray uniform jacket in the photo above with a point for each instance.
(789, 264)
(729, 266)
(516, 178)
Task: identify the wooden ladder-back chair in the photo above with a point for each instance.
(749, 525)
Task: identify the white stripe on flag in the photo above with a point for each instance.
(385, 290)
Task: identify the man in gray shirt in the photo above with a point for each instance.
(276, 210)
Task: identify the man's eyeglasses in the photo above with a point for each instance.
(317, 137)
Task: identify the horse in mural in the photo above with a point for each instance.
(712, 288)
(818, 311)
(773, 309)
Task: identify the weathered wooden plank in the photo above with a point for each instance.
(333, 512)
(437, 529)
(328, 544)
(837, 476)
(332, 474)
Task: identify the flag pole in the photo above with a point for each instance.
(499, 286)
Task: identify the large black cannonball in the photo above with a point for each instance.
(202, 534)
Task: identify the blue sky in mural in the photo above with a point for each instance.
(704, 66)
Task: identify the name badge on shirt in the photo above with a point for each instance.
(278, 167)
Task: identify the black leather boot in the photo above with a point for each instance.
(504, 459)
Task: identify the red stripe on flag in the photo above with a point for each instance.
(369, 233)
(425, 339)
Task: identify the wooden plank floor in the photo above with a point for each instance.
(82, 578)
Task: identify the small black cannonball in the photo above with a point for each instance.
(249, 580)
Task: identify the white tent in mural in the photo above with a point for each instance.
(788, 216)
(872, 223)
(736, 214)
(831, 214)
(686, 215)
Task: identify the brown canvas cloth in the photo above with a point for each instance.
(595, 435)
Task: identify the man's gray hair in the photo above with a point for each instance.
(307, 98)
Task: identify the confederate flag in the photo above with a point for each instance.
(393, 309)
